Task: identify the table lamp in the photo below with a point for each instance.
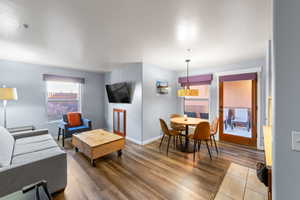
(7, 94)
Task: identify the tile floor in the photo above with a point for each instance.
(241, 183)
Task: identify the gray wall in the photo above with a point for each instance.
(127, 73)
(286, 163)
(157, 106)
(30, 109)
(260, 62)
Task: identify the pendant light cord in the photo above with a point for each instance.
(187, 73)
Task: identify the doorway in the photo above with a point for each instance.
(238, 108)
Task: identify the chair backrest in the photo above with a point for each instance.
(164, 127)
(73, 119)
(202, 131)
(204, 115)
(214, 126)
(191, 114)
(174, 125)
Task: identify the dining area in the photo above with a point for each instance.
(187, 134)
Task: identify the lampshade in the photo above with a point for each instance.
(8, 94)
(187, 92)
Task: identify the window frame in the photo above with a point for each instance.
(201, 99)
(47, 100)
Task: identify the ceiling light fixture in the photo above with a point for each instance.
(187, 91)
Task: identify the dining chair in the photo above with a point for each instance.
(177, 126)
(202, 132)
(213, 131)
(191, 114)
(169, 133)
(204, 116)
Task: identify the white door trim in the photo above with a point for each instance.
(257, 70)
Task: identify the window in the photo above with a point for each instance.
(62, 97)
(198, 106)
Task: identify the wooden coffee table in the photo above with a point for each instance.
(97, 143)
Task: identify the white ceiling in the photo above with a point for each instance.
(97, 35)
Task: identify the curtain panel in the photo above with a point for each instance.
(196, 80)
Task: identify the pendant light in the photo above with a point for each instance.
(187, 91)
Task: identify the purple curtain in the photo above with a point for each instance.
(239, 77)
(52, 77)
(196, 80)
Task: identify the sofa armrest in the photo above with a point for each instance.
(20, 129)
(53, 169)
(63, 125)
(87, 122)
(23, 134)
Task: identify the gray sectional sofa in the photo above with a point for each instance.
(28, 157)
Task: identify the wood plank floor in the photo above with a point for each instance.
(145, 172)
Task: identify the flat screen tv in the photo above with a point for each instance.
(119, 92)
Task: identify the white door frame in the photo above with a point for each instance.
(257, 70)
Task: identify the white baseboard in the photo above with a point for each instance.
(143, 142)
(134, 140)
(151, 139)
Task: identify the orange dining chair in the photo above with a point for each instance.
(202, 132)
(169, 133)
(213, 131)
(177, 127)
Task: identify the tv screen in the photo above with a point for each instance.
(118, 93)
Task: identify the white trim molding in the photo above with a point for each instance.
(134, 140)
(239, 71)
(143, 142)
(151, 139)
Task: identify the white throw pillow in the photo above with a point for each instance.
(7, 143)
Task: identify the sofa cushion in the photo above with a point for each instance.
(77, 128)
(6, 147)
(36, 155)
(24, 148)
(74, 119)
(39, 138)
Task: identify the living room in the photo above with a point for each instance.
(148, 99)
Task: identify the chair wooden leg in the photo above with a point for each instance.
(168, 144)
(200, 141)
(195, 143)
(174, 141)
(216, 144)
(208, 149)
(180, 140)
(211, 144)
(58, 134)
(161, 140)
